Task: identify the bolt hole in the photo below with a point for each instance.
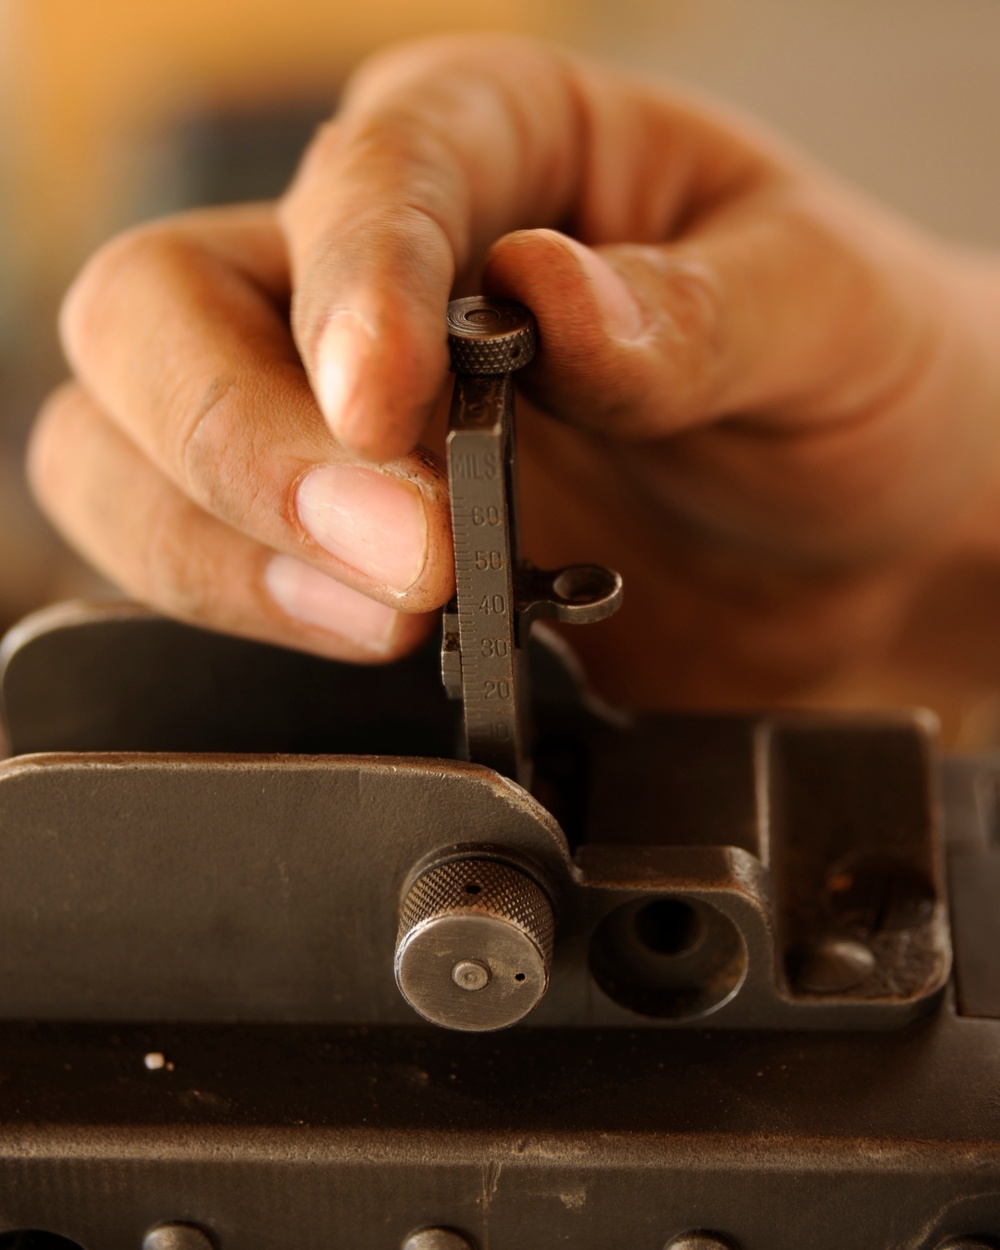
(668, 926)
(518, 976)
(473, 887)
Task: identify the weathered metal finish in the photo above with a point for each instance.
(437, 1239)
(268, 1137)
(138, 886)
(475, 943)
(152, 897)
(489, 337)
(497, 595)
(176, 1237)
(769, 835)
(114, 676)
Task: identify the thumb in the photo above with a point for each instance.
(768, 315)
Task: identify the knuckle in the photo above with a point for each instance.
(678, 372)
(691, 335)
(208, 432)
(179, 573)
(118, 267)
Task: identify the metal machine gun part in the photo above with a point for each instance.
(497, 594)
(475, 944)
(206, 841)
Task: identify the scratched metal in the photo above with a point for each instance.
(498, 595)
(479, 469)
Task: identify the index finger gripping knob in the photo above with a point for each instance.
(489, 336)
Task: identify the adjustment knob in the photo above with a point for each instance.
(489, 336)
(474, 945)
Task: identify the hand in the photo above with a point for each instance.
(770, 395)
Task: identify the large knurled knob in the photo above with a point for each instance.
(489, 336)
(474, 945)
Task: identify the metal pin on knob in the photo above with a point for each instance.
(474, 945)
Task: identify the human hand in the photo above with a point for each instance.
(770, 394)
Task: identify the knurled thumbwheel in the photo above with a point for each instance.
(474, 945)
(489, 336)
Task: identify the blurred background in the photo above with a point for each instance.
(115, 110)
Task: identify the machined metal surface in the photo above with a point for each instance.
(475, 944)
(171, 922)
(713, 859)
(270, 1137)
(498, 595)
(177, 1237)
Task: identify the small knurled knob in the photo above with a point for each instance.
(474, 945)
(489, 336)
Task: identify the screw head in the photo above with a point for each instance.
(436, 1239)
(176, 1237)
(471, 974)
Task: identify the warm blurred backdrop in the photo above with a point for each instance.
(114, 110)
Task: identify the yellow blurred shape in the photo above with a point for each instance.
(83, 82)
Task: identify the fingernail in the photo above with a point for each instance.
(344, 349)
(621, 314)
(371, 521)
(310, 596)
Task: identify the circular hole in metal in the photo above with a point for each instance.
(668, 926)
(473, 887)
(518, 976)
(668, 958)
(583, 583)
(36, 1239)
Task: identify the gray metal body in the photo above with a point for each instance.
(200, 885)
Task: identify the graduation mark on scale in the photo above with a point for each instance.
(498, 594)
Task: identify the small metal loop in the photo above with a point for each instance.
(578, 594)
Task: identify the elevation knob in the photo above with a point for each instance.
(489, 336)
(474, 945)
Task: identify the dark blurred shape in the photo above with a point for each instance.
(231, 154)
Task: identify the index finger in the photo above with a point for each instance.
(441, 148)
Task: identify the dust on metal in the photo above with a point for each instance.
(475, 942)
(497, 594)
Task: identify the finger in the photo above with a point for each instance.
(441, 148)
(145, 535)
(771, 307)
(178, 333)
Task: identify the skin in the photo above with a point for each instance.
(768, 402)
